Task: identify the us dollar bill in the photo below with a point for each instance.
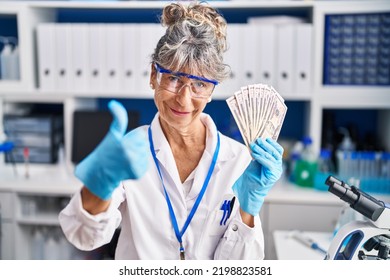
(235, 110)
(259, 111)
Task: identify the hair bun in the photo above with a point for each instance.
(172, 14)
(201, 13)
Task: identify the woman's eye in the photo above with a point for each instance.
(200, 84)
(173, 78)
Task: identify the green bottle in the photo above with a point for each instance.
(306, 167)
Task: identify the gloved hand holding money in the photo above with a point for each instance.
(259, 112)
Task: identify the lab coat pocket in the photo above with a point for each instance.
(215, 226)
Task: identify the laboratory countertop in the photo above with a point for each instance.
(42, 178)
(287, 192)
(289, 248)
(59, 179)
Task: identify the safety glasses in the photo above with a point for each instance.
(174, 81)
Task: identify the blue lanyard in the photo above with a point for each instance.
(178, 233)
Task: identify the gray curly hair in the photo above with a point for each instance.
(195, 38)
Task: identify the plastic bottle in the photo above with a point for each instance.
(293, 162)
(51, 247)
(295, 155)
(14, 72)
(306, 167)
(325, 168)
(346, 159)
(38, 242)
(5, 61)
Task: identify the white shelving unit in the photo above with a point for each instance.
(58, 180)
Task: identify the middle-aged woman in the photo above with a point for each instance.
(178, 188)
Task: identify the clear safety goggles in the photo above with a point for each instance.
(200, 87)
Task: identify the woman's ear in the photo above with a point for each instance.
(152, 76)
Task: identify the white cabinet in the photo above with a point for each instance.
(30, 207)
(37, 228)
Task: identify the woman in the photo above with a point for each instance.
(172, 186)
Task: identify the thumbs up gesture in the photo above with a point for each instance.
(118, 157)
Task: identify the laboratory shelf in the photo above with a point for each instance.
(39, 220)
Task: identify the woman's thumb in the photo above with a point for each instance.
(120, 119)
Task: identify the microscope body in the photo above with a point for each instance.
(356, 238)
(349, 241)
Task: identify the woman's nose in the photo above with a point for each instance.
(184, 94)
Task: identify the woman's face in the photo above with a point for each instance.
(178, 110)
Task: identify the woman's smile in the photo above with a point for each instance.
(179, 113)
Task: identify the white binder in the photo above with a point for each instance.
(285, 59)
(131, 49)
(304, 49)
(97, 52)
(250, 54)
(233, 57)
(114, 65)
(149, 35)
(63, 56)
(266, 69)
(79, 57)
(46, 56)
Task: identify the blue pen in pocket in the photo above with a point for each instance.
(227, 208)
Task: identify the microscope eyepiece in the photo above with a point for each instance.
(341, 189)
(358, 200)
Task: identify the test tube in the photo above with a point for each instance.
(341, 159)
(371, 164)
(354, 164)
(385, 168)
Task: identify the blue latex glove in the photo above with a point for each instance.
(260, 175)
(118, 157)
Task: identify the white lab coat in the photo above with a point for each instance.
(140, 208)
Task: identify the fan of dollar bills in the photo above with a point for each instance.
(258, 111)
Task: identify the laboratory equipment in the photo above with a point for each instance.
(307, 241)
(357, 239)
